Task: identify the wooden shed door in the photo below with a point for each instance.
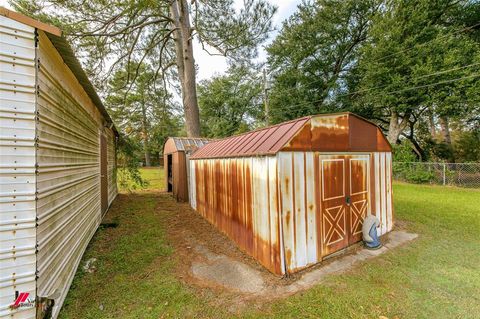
(103, 174)
(359, 171)
(344, 197)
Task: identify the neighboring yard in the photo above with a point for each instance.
(436, 276)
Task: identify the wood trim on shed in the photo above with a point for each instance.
(31, 22)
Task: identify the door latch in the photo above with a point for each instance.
(347, 200)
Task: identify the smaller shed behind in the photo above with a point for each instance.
(176, 153)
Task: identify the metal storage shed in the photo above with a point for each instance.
(57, 166)
(294, 193)
(176, 152)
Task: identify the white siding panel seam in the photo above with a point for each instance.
(301, 231)
(68, 155)
(17, 166)
(389, 192)
(384, 193)
(311, 208)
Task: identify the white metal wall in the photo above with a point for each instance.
(68, 181)
(17, 166)
(266, 207)
(383, 191)
(111, 166)
(297, 187)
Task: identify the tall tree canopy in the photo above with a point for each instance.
(231, 103)
(314, 53)
(145, 113)
(412, 66)
(419, 58)
(111, 36)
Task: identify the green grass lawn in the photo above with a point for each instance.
(154, 177)
(436, 276)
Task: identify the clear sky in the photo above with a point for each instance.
(209, 65)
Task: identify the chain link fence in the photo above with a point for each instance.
(455, 174)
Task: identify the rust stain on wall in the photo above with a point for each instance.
(291, 208)
(229, 207)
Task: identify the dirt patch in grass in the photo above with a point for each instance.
(143, 267)
(193, 238)
(210, 262)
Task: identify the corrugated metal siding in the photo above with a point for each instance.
(297, 184)
(265, 141)
(383, 191)
(275, 203)
(111, 166)
(184, 144)
(17, 166)
(338, 132)
(68, 207)
(240, 197)
(192, 192)
(189, 144)
(180, 148)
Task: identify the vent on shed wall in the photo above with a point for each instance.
(17, 166)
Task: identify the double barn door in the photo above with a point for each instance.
(344, 199)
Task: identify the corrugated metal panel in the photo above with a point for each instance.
(189, 144)
(68, 56)
(29, 22)
(177, 174)
(291, 210)
(17, 166)
(111, 166)
(68, 207)
(383, 191)
(317, 219)
(388, 182)
(49, 169)
(192, 189)
(264, 141)
(65, 50)
(239, 197)
(298, 186)
(339, 132)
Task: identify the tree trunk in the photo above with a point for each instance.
(186, 65)
(431, 121)
(145, 136)
(395, 127)
(446, 138)
(445, 130)
(416, 147)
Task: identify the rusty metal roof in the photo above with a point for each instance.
(184, 144)
(338, 132)
(55, 35)
(268, 140)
